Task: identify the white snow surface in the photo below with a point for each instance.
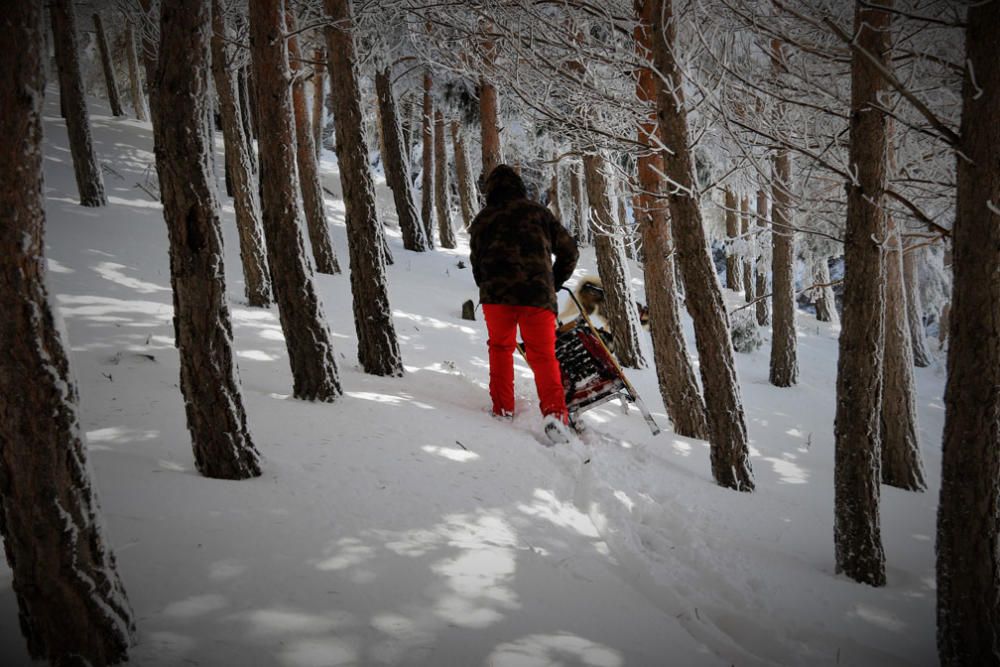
(402, 525)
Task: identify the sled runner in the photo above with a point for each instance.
(591, 375)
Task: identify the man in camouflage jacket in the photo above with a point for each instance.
(513, 240)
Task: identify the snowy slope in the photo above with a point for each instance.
(402, 525)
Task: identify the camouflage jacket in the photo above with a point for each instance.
(512, 244)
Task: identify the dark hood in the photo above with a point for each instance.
(503, 185)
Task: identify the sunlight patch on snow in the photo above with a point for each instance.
(318, 652)
(120, 434)
(349, 551)
(136, 203)
(879, 617)
(197, 605)
(112, 271)
(54, 266)
(625, 500)
(559, 649)
(451, 453)
(96, 307)
(256, 355)
(226, 569)
(681, 447)
(272, 334)
(432, 322)
(562, 514)
(171, 466)
(283, 621)
(788, 472)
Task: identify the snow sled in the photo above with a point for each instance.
(591, 375)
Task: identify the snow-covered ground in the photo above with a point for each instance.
(402, 525)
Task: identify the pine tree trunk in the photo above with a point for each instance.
(762, 311)
(488, 117)
(378, 350)
(246, 113)
(305, 157)
(901, 464)
(622, 316)
(396, 173)
(914, 307)
(442, 200)
(857, 533)
(107, 64)
(554, 204)
(427, 178)
(733, 278)
(724, 406)
(307, 338)
(89, 180)
(784, 370)
(71, 603)
(319, 81)
(623, 229)
(240, 168)
(968, 538)
(674, 372)
(134, 78)
(148, 49)
(216, 420)
(747, 258)
(466, 196)
(826, 306)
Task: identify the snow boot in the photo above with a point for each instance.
(556, 430)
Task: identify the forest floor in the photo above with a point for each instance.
(402, 525)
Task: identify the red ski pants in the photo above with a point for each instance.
(538, 329)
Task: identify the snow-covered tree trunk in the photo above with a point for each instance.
(89, 180)
(674, 372)
(442, 198)
(239, 167)
(427, 176)
(396, 172)
(823, 297)
(968, 536)
(733, 277)
(724, 406)
(319, 82)
(747, 257)
(901, 464)
(378, 350)
(622, 316)
(71, 603)
(324, 255)
(134, 78)
(108, 66)
(784, 368)
(216, 419)
(857, 533)
(581, 230)
(915, 308)
(247, 113)
(466, 195)
(762, 310)
(307, 338)
(554, 204)
(488, 118)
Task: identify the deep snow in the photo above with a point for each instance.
(402, 525)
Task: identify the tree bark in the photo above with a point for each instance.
(914, 307)
(305, 158)
(857, 533)
(554, 204)
(442, 200)
(488, 117)
(89, 180)
(784, 369)
(378, 350)
(71, 603)
(733, 277)
(134, 77)
(826, 305)
(747, 257)
(216, 420)
(108, 66)
(396, 172)
(307, 338)
(724, 406)
(248, 116)
(466, 195)
(674, 372)
(319, 80)
(901, 464)
(968, 539)
(581, 230)
(427, 178)
(762, 310)
(239, 167)
(622, 316)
